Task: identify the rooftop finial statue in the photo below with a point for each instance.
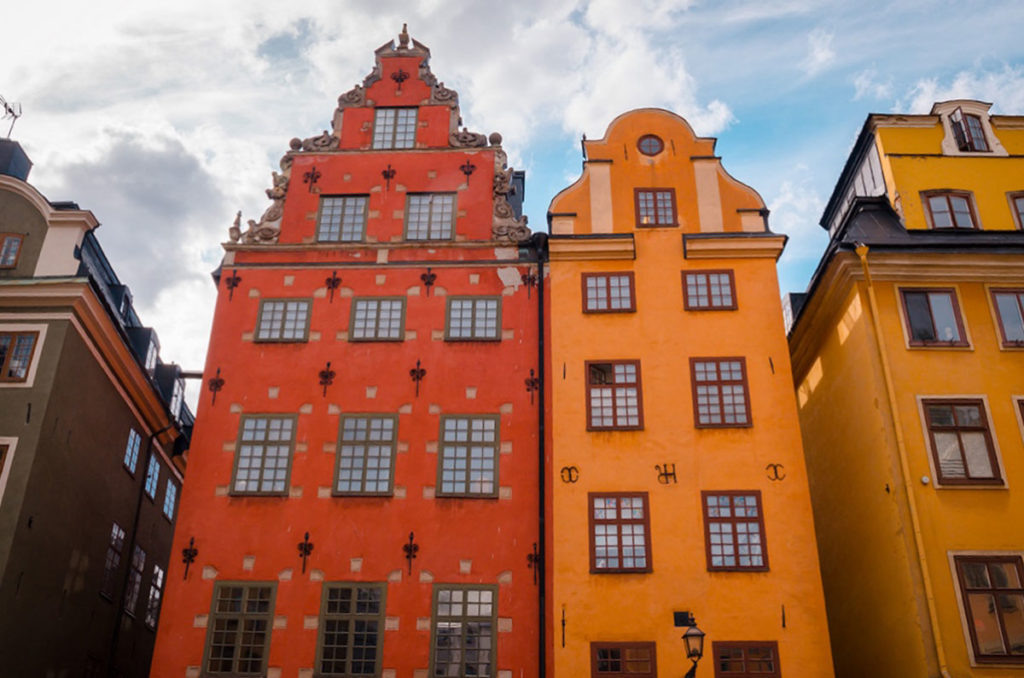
(403, 37)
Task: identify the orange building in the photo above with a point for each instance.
(364, 497)
(678, 478)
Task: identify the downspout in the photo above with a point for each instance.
(940, 651)
(541, 564)
(130, 552)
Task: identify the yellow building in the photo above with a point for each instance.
(678, 478)
(908, 356)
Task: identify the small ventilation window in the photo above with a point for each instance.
(650, 144)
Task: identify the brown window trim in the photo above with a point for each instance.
(495, 448)
(746, 391)
(21, 245)
(618, 521)
(733, 519)
(947, 194)
(1015, 210)
(376, 325)
(451, 224)
(392, 445)
(6, 362)
(465, 619)
(639, 395)
(344, 197)
(353, 615)
(392, 129)
(264, 443)
(965, 140)
(951, 291)
(968, 619)
(636, 207)
(653, 137)
(996, 478)
(1019, 292)
(632, 291)
(709, 307)
(596, 647)
(744, 644)
(280, 329)
(474, 299)
(242, 616)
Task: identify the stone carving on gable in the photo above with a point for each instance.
(442, 95)
(505, 227)
(322, 142)
(466, 139)
(353, 98)
(268, 228)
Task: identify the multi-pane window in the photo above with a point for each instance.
(131, 598)
(1017, 202)
(131, 450)
(1010, 311)
(655, 207)
(377, 319)
(650, 144)
(394, 128)
(961, 442)
(951, 210)
(283, 320)
(473, 318)
(708, 290)
(734, 530)
(264, 454)
(608, 292)
(737, 659)
(968, 130)
(720, 394)
(156, 589)
(351, 630)
(619, 529)
(112, 561)
(238, 639)
(993, 594)
(342, 218)
(933, 317)
(366, 453)
(152, 476)
(613, 395)
(170, 499)
(430, 216)
(619, 660)
(16, 354)
(468, 463)
(10, 246)
(463, 639)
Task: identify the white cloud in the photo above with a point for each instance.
(867, 85)
(820, 54)
(796, 207)
(1003, 86)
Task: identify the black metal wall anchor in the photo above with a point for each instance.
(333, 283)
(311, 176)
(467, 168)
(563, 626)
(327, 377)
(775, 472)
(215, 384)
(570, 474)
(532, 385)
(305, 548)
(417, 373)
(410, 550)
(428, 279)
(666, 474)
(399, 77)
(388, 174)
(231, 282)
(188, 555)
(530, 280)
(533, 562)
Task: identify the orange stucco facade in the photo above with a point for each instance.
(665, 457)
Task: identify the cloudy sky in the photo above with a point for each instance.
(164, 122)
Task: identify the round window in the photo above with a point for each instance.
(650, 145)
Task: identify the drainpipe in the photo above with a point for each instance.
(541, 564)
(940, 651)
(130, 552)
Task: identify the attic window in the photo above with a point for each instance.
(969, 133)
(650, 144)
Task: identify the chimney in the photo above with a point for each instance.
(13, 161)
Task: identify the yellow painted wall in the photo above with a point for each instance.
(745, 606)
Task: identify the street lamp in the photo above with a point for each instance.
(693, 641)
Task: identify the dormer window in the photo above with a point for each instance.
(151, 354)
(177, 397)
(968, 130)
(10, 245)
(950, 209)
(394, 128)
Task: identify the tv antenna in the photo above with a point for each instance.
(12, 111)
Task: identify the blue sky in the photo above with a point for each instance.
(164, 122)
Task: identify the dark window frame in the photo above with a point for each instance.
(495, 447)
(112, 561)
(464, 619)
(968, 196)
(592, 523)
(1016, 199)
(4, 238)
(1018, 293)
(597, 647)
(745, 645)
(136, 566)
(653, 138)
(345, 198)
(155, 597)
(968, 140)
(687, 302)
(352, 616)
(376, 325)
(152, 474)
(744, 381)
(986, 429)
(430, 224)
(132, 451)
(279, 328)
(638, 385)
(655, 191)
(238, 453)
(473, 298)
(5, 362)
(365, 443)
(606, 282)
(389, 143)
(733, 519)
(968, 618)
(243, 616)
(958, 314)
(173, 493)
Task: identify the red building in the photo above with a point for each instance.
(363, 493)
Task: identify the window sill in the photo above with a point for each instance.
(473, 340)
(594, 570)
(971, 485)
(604, 311)
(367, 495)
(713, 427)
(607, 429)
(941, 345)
(257, 340)
(371, 340)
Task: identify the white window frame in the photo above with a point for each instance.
(37, 351)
